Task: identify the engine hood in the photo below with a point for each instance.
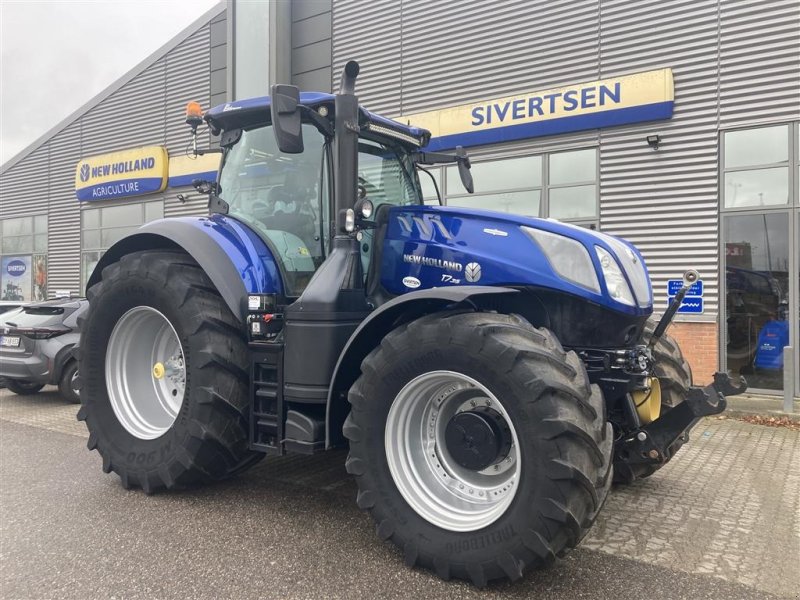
(439, 246)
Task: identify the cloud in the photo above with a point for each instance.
(56, 56)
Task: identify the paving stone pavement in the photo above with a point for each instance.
(728, 505)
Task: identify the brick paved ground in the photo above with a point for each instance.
(727, 510)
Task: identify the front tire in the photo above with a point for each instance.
(163, 374)
(23, 388)
(675, 377)
(66, 384)
(552, 451)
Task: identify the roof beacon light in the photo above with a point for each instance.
(194, 117)
(194, 114)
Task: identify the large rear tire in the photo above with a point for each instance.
(163, 374)
(538, 491)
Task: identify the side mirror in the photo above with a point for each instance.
(286, 121)
(463, 169)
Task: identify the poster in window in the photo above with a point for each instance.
(15, 278)
(39, 277)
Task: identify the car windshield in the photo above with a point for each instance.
(282, 196)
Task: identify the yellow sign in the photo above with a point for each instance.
(185, 169)
(615, 101)
(125, 173)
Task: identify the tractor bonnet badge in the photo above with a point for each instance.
(472, 272)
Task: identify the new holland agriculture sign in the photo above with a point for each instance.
(124, 173)
(605, 103)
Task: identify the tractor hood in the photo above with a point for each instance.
(439, 246)
(253, 111)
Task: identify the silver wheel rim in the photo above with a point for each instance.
(145, 372)
(434, 485)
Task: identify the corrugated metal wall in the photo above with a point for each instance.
(665, 201)
(147, 110)
(734, 62)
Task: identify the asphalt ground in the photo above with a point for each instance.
(721, 521)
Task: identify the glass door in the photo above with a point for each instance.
(757, 251)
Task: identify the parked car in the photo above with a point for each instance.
(36, 341)
(9, 305)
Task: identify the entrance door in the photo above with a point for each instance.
(758, 260)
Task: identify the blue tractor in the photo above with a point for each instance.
(491, 373)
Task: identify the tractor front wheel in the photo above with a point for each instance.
(163, 374)
(675, 378)
(478, 445)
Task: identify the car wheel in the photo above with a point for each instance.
(66, 384)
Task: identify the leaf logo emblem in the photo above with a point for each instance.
(472, 272)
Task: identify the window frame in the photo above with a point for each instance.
(592, 221)
(791, 209)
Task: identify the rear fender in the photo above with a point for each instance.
(380, 322)
(236, 260)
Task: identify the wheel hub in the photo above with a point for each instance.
(145, 372)
(452, 451)
(477, 439)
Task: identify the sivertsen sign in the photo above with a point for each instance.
(608, 102)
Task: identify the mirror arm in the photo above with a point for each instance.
(323, 124)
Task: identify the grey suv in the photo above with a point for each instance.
(35, 346)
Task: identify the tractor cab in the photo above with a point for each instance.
(287, 198)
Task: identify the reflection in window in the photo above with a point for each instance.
(497, 175)
(759, 187)
(102, 227)
(576, 202)
(753, 147)
(766, 148)
(520, 203)
(757, 284)
(578, 166)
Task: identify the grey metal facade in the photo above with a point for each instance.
(734, 62)
(145, 107)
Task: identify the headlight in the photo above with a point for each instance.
(618, 288)
(569, 258)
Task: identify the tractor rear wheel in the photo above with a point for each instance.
(675, 378)
(163, 374)
(478, 445)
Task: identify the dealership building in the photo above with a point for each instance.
(674, 124)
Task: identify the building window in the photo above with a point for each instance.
(23, 258)
(561, 185)
(760, 189)
(572, 185)
(102, 227)
(756, 167)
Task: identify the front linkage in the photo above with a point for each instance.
(655, 443)
(646, 447)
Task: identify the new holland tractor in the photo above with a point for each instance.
(491, 373)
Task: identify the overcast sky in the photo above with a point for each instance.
(56, 55)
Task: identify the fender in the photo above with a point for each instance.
(234, 257)
(369, 333)
(62, 358)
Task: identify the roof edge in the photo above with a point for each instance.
(174, 42)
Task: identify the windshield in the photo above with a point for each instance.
(282, 197)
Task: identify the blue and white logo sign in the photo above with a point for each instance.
(693, 301)
(690, 304)
(16, 268)
(674, 286)
(84, 172)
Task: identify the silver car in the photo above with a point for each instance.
(36, 346)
